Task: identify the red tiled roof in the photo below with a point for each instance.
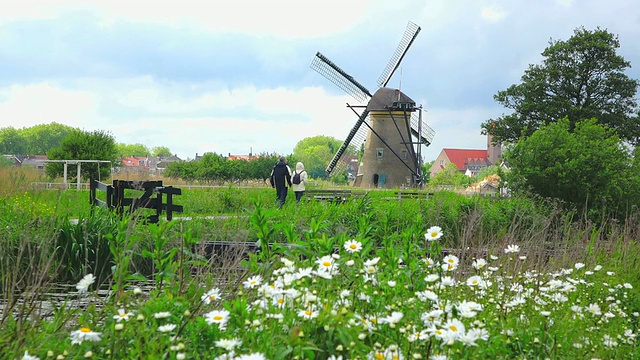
(460, 157)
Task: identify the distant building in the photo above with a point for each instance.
(468, 161)
(152, 165)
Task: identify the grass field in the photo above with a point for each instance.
(448, 277)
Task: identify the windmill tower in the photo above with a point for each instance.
(389, 132)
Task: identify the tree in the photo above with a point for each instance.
(41, 138)
(83, 145)
(579, 79)
(12, 141)
(316, 152)
(450, 175)
(161, 151)
(587, 167)
(125, 150)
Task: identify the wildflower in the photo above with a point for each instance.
(325, 263)
(594, 309)
(353, 246)
(433, 233)
(167, 328)
(451, 260)
(181, 356)
(392, 319)
(162, 315)
(428, 261)
(211, 296)
(455, 326)
(252, 282)
(83, 285)
(26, 356)
(479, 263)
(608, 341)
(137, 291)
(88, 354)
(122, 315)
(578, 266)
(78, 336)
(220, 317)
(431, 278)
(228, 344)
(118, 326)
(447, 281)
(511, 249)
(372, 262)
(255, 356)
(474, 280)
(419, 335)
(308, 313)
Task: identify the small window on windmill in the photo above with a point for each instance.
(379, 152)
(405, 154)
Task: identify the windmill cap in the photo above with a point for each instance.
(388, 98)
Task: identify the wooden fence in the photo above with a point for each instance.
(151, 198)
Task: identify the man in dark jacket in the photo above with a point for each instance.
(281, 180)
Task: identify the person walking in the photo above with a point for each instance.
(299, 181)
(281, 180)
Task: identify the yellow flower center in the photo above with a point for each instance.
(395, 357)
(353, 246)
(308, 312)
(85, 330)
(217, 318)
(434, 234)
(280, 301)
(212, 297)
(326, 263)
(379, 356)
(453, 328)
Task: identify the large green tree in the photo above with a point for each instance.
(35, 140)
(125, 150)
(85, 145)
(587, 167)
(316, 152)
(581, 78)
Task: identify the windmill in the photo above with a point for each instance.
(386, 125)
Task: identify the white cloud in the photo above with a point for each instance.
(29, 105)
(285, 18)
(494, 13)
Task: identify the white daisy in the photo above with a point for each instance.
(511, 249)
(122, 315)
(166, 328)
(83, 285)
(433, 233)
(252, 282)
(228, 344)
(220, 317)
(211, 296)
(78, 336)
(353, 246)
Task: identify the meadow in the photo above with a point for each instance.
(445, 277)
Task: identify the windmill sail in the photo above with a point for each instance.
(426, 132)
(336, 75)
(355, 138)
(410, 34)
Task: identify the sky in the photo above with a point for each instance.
(234, 77)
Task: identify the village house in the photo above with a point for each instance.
(468, 161)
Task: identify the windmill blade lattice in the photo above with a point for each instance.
(336, 75)
(356, 137)
(410, 34)
(426, 132)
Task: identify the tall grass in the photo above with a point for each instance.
(43, 248)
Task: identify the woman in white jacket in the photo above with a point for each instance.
(298, 189)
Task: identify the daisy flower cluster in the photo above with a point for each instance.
(378, 304)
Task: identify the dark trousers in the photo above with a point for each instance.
(281, 195)
(299, 196)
